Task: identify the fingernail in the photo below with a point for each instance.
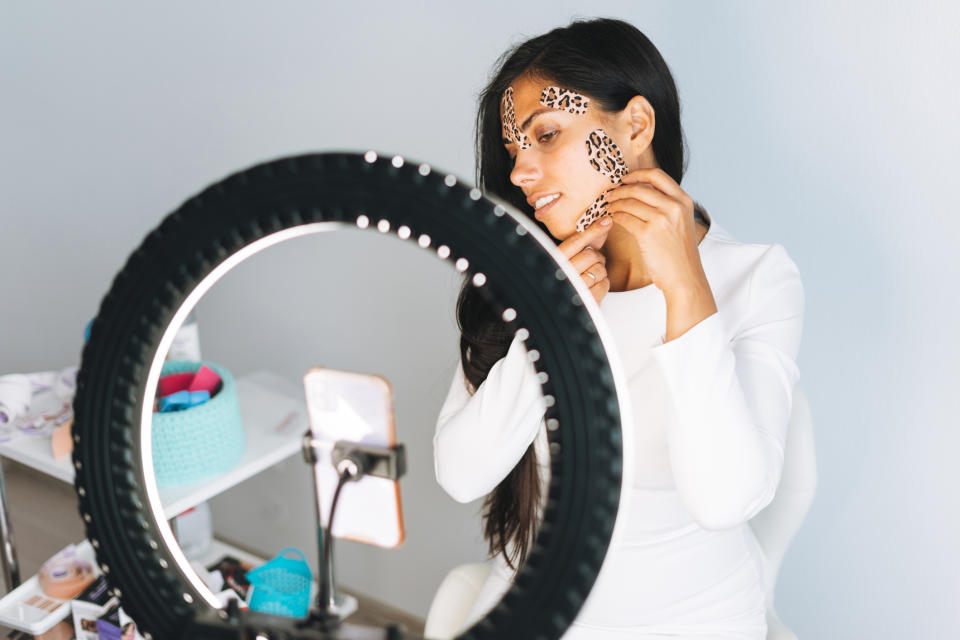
(605, 221)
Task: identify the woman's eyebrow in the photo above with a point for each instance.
(526, 123)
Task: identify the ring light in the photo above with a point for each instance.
(515, 265)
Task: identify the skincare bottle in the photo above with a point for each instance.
(186, 344)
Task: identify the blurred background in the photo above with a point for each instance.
(827, 127)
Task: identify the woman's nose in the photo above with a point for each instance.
(525, 170)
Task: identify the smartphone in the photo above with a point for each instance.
(356, 407)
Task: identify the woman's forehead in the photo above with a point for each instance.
(530, 94)
(525, 92)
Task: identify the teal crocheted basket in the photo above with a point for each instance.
(201, 442)
(282, 585)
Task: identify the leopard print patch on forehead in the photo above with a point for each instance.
(564, 100)
(605, 155)
(508, 121)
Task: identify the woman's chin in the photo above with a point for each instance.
(560, 229)
(563, 234)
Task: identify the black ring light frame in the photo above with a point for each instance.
(511, 260)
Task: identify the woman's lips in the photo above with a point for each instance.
(539, 213)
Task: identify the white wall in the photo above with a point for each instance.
(828, 127)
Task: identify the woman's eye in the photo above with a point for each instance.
(547, 136)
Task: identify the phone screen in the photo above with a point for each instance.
(356, 407)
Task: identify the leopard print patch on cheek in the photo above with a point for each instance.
(596, 211)
(605, 155)
(564, 100)
(509, 121)
(606, 158)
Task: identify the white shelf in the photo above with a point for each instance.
(15, 612)
(220, 549)
(274, 421)
(28, 609)
(36, 453)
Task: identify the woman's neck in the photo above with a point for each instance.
(625, 266)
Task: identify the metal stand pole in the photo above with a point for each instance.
(11, 567)
(330, 601)
(331, 606)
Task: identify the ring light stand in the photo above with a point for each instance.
(511, 261)
(353, 461)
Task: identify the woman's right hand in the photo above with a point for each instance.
(582, 249)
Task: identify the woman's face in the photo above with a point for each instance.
(563, 148)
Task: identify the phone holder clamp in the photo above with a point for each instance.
(369, 460)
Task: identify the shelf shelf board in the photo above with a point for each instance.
(274, 421)
(17, 614)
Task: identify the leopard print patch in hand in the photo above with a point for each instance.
(596, 211)
(605, 155)
(509, 121)
(564, 100)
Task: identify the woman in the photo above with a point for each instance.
(580, 129)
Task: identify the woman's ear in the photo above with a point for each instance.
(641, 120)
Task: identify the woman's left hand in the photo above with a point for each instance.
(653, 208)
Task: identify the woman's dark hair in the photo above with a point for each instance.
(609, 61)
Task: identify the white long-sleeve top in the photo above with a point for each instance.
(710, 408)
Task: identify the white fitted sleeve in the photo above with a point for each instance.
(732, 398)
(479, 438)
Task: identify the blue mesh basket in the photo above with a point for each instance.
(195, 444)
(282, 585)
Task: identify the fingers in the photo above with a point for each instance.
(659, 179)
(635, 216)
(587, 258)
(592, 266)
(648, 183)
(594, 274)
(643, 193)
(600, 288)
(582, 251)
(593, 236)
